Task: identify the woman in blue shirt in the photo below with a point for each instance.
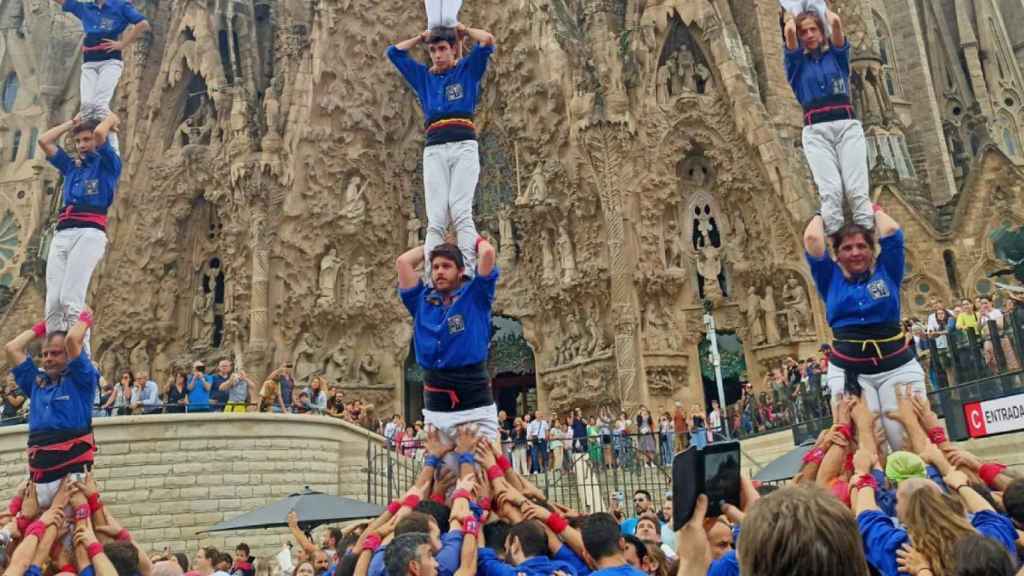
(818, 70)
(870, 354)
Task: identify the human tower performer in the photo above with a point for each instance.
(451, 316)
(61, 393)
(870, 355)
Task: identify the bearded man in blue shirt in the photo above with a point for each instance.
(448, 93)
(451, 336)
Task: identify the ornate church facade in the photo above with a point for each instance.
(639, 159)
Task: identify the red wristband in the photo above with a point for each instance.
(411, 501)
(36, 528)
(371, 542)
(39, 329)
(504, 463)
(848, 462)
(816, 456)
(557, 523)
(867, 480)
(95, 503)
(495, 472)
(437, 497)
(937, 435)
(85, 317)
(124, 535)
(989, 471)
(22, 523)
(461, 494)
(846, 430)
(14, 506)
(485, 503)
(470, 525)
(69, 568)
(394, 507)
(94, 549)
(876, 207)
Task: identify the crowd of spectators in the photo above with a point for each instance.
(853, 509)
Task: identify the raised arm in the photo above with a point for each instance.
(814, 237)
(299, 535)
(76, 336)
(407, 266)
(108, 124)
(406, 45)
(789, 31)
(14, 351)
(885, 226)
(48, 140)
(483, 37)
(485, 257)
(838, 38)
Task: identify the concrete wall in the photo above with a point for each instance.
(168, 476)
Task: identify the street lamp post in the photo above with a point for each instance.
(716, 360)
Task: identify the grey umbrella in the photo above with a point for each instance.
(786, 466)
(313, 508)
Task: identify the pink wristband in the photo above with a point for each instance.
(495, 472)
(411, 501)
(504, 463)
(95, 503)
(124, 535)
(846, 430)
(15, 505)
(461, 494)
(470, 525)
(988, 473)
(394, 507)
(94, 549)
(36, 528)
(816, 456)
(371, 542)
(39, 329)
(69, 568)
(937, 435)
(85, 317)
(437, 497)
(23, 523)
(557, 523)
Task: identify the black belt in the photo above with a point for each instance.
(457, 389)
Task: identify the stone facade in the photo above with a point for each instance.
(638, 159)
(167, 477)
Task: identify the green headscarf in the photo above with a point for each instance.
(900, 466)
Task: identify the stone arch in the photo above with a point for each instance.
(1009, 138)
(888, 56)
(918, 288)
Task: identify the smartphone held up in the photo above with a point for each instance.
(713, 471)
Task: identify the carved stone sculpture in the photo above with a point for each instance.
(368, 370)
(537, 190)
(339, 366)
(675, 248)
(328, 279)
(547, 257)
(709, 264)
(754, 316)
(797, 308)
(357, 284)
(412, 230)
(507, 250)
(771, 321)
(272, 112)
(140, 358)
(567, 255)
(355, 200)
(305, 358)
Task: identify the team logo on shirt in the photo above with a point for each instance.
(878, 289)
(107, 23)
(456, 324)
(454, 92)
(92, 187)
(839, 86)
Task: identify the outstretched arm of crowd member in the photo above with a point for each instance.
(48, 140)
(932, 455)
(75, 340)
(958, 483)
(408, 263)
(465, 446)
(861, 484)
(812, 460)
(814, 234)
(115, 531)
(384, 524)
(27, 549)
(839, 440)
(86, 538)
(299, 535)
(15, 349)
(864, 423)
(692, 542)
(991, 473)
(562, 531)
(906, 415)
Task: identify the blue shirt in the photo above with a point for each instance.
(624, 570)
(873, 300)
(198, 396)
(448, 559)
(488, 564)
(103, 23)
(882, 538)
(62, 405)
(570, 557)
(821, 77)
(457, 335)
(727, 565)
(94, 183)
(628, 526)
(454, 92)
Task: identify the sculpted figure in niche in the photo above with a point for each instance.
(507, 250)
(357, 285)
(140, 358)
(547, 257)
(339, 367)
(537, 190)
(753, 311)
(271, 113)
(166, 298)
(412, 230)
(709, 265)
(305, 358)
(566, 254)
(368, 370)
(683, 81)
(701, 78)
(663, 80)
(797, 308)
(675, 247)
(328, 278)
(771, 321)
(355, 200)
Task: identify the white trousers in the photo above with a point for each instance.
(485, 418)
(879, 392)
(837, 154)
(74, 254)
(442, 13)
(450, 174)
(97, 85)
